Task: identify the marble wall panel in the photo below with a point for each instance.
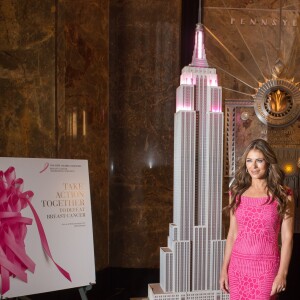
(27, 78)
(54, 90)
(82, 101)
(144, 74)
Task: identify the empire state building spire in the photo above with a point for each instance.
(199, 56)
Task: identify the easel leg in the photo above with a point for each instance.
(83, 290)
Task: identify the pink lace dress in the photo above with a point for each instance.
(255, 255)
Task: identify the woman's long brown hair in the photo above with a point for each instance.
(275, 177)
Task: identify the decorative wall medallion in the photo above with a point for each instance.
(277, 103)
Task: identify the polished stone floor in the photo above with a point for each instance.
(111, 284)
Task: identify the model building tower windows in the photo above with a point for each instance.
(190, 263)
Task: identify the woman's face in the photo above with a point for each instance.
(256, 164)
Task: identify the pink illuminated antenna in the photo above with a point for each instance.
(199, 56)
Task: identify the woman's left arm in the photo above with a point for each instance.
(287, 232)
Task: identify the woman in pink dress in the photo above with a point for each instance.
(261, 213)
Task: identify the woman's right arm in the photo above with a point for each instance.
(232, 234)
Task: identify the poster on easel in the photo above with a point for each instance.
(46, 234)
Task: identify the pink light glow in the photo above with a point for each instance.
(216, 109)
(181, 107)
(186, 79)
(199, 38)
(213, 82)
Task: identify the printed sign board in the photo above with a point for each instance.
(46, 235)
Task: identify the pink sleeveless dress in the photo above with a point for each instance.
(255, 255)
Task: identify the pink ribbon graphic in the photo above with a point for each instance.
(13, 228)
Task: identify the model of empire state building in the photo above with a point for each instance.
(190, 265)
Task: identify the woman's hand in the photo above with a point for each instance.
(224, 282)
(279, 284)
